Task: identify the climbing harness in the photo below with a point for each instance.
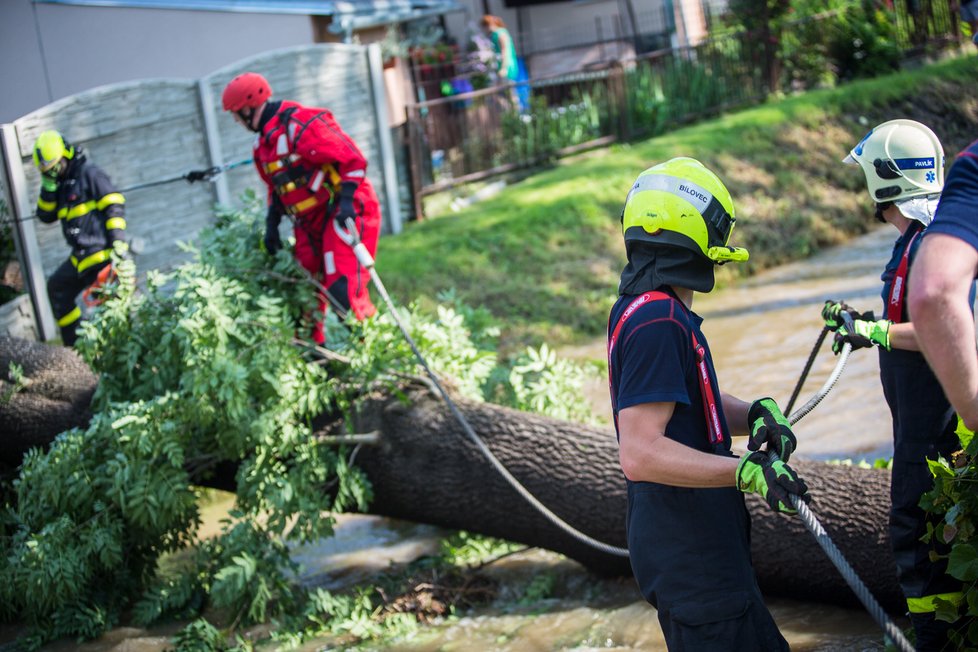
(894, 306)
(349, 235)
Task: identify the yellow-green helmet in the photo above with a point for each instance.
(49, 148)
(681, 203)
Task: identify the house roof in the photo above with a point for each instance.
(352, 14)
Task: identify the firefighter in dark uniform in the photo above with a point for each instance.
(91, 210)
(903, 162)
(687, 524)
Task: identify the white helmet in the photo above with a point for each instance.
(903, 160)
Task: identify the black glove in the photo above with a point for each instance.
(772, 481)
(273, 241)
(833, 311)
(201, 175)
(862, 333)
(346, 209)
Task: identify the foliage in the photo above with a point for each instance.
(539, 133)
(540, 382)
(953, 502)
(197, 369)
(544, 255)
(463, 549)
(862, 42)
(661, 94)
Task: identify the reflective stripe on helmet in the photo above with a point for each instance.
(682, 203)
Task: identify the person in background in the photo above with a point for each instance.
(91, 210)
(903, 164)
(316, 174)
(687, 524)
(507, 67)
(969, 14)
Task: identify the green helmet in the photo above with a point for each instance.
(681, 203)
(49, 148)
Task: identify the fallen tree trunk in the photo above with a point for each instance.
(425, 469)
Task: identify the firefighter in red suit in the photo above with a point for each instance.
(317, 175)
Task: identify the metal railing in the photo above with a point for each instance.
(476, 135)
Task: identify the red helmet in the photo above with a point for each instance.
(247, 90)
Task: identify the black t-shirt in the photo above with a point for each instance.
(653, 361)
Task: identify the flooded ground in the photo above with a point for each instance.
(761, 332)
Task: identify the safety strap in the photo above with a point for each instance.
(710, 410)
(898, 290)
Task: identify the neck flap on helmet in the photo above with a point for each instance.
(651, 266)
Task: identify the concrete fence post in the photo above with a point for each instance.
(387, 159)
(25, 236)
(213, 140)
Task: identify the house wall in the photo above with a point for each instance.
(69, 49)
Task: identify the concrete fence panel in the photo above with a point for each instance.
(138, 133)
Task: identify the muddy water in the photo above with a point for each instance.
(761, 332)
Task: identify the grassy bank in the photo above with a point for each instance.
(544, 254)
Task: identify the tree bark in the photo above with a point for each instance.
(425, 469)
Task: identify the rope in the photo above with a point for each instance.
(190, 177)
(804, 373)
(812, 523)
(826, 386)
(823, 539)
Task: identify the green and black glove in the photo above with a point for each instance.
(773, 481)
(833, 311)
(768, 426)
(49, 183)
(862, 334)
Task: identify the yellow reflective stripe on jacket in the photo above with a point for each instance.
(46, 206)
(305, 204)
(109, 199)
(77, 211)
(115, 223)
(94, 259)
(70, 318)
(927, 604)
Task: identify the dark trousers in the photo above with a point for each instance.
(923, 427)
(64, 286)
(690, 553)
